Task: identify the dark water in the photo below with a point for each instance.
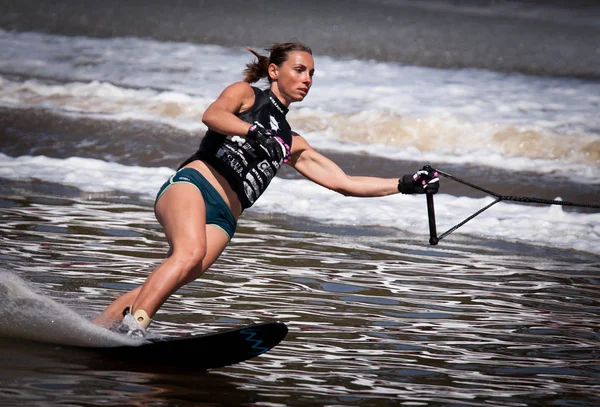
(375, 318)
(535, 37)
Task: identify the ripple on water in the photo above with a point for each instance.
(373, 319)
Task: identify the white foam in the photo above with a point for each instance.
(340, 86)
(441, 138)
(101, 98)
(514, 122)
(449, 139)
(87, 174)
(27, 314)
(545, 226)
(517, 122)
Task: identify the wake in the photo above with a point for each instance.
(27, 314)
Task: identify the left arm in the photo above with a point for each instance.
(321, 170)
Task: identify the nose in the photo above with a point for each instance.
(307, 79)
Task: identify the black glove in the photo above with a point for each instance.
(273, 145)
(424, 180)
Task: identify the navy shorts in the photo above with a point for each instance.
(217, 211)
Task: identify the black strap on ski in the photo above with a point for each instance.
(434, 238)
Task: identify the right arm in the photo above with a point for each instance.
(322, 171)
(221, 117)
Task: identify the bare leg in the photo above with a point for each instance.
(195, 246)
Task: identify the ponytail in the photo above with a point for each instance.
(256, 70)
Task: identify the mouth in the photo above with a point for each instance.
(304, 91)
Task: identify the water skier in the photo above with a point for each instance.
(247, 141)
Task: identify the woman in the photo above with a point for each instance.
(247, 142)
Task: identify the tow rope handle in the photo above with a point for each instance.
(433, 238)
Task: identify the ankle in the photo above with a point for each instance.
(140, 316)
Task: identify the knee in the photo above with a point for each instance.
(189, 257)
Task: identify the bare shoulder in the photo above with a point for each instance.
(238, 95)
(240, 87)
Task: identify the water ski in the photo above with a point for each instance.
(27, 315)
(206, 351)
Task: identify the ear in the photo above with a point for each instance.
(273, 71)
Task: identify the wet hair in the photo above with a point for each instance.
(278, 55)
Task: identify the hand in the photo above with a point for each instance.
(274, 146)
(424, 181)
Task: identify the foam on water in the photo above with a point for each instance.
(441, 138)
(87, 174)
(449, 139)
(340, 86)
(103, 98)
(27, 314)
(547, 125)
(544, 226)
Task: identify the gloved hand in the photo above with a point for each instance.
(424, 180)
(275, 147)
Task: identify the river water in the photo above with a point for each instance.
(98, 105)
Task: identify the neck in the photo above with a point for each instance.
(277, 93)
(278, 103)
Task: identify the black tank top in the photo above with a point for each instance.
(241, 161)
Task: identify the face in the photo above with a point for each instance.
(291, 81)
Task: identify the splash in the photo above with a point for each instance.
(27, 314)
